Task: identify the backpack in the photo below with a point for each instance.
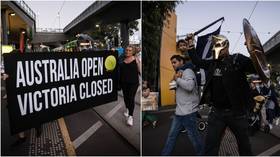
(199, 73)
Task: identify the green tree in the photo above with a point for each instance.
(110, 31)
(154, 13)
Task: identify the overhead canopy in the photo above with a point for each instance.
(104, 12)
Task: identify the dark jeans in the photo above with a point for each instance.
(189, 122)
(129, 91)
(217, 122)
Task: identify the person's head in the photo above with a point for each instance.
(253, 85)
(129, 51)
(145, 89)
(146, 92)
(84, 42)
(177, 61)
(220, 46)
(182, 45)
(29, 46)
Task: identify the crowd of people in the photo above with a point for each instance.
(243, 107)
(226, 90)
(266, 108)
(129, 73)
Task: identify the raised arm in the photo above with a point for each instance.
(192, 53)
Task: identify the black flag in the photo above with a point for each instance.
(204, 47)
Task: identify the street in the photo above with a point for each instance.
(101, 130)
(154, 139)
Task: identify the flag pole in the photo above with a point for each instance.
(211, 24)
(204, 28)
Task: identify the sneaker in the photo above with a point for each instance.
(277, 121)
(129, 121)
(126, 113)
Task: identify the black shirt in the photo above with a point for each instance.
(129, 72)
(219, 94)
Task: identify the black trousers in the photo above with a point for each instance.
(129, 91)
(218, 120)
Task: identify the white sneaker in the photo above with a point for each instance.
(126, 113)
(277, 121)
(270, 126)
(129, 121)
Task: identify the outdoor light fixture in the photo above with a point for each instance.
(13, 14)
(97, 25)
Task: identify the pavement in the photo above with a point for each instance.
(101, 130)
(275, 130)
(153, 140)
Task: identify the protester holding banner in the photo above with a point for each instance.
(21, 136)
(228, 91)
(272, 105)
(187, 100)
(129, 80)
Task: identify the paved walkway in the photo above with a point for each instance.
(117, 120)
(50, 142)
(228, 145)
(154, 139)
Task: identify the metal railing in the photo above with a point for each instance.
(49, 30)
(26, 8)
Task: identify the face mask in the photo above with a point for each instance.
(219, 43)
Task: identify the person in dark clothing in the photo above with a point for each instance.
(255, 113)
(228, 91)
(129, 81)
(254, 90)
(272, 106)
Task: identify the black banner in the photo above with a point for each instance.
(42, 87)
